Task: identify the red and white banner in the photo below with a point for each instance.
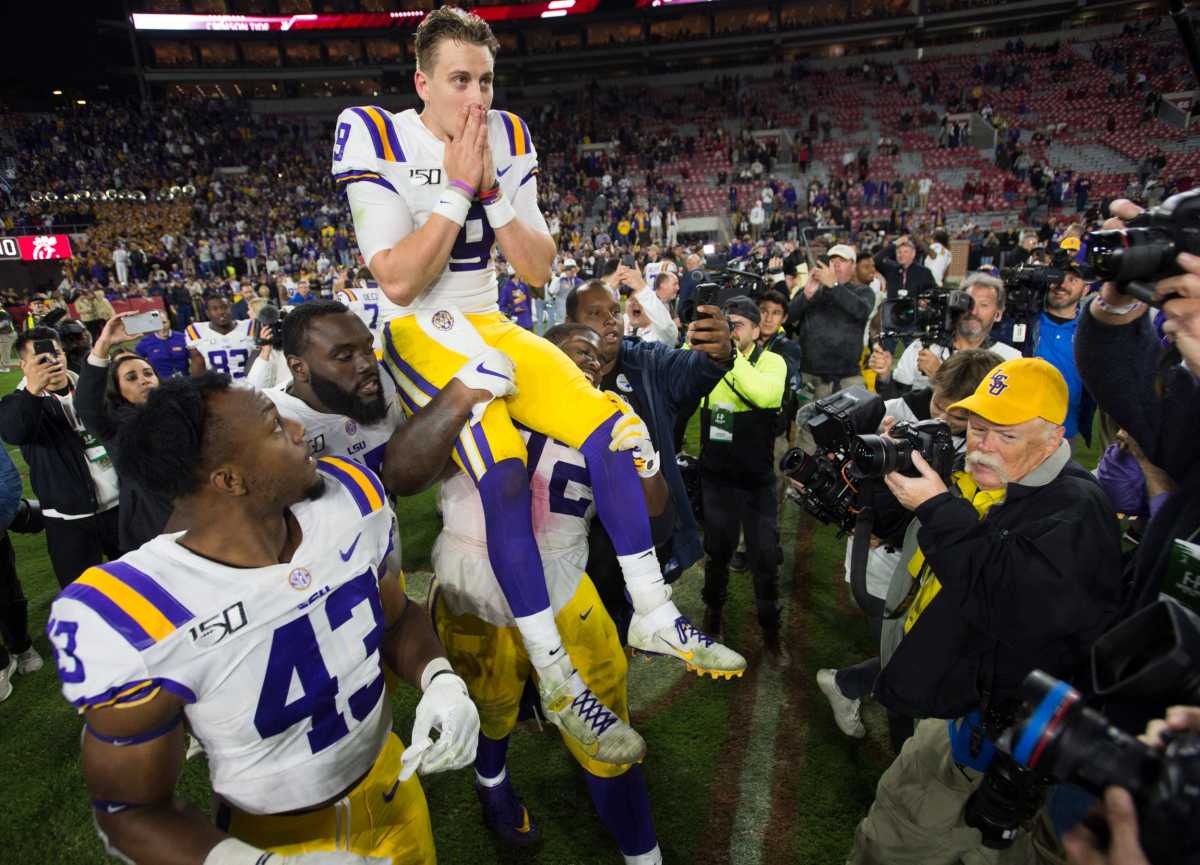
(42, 247)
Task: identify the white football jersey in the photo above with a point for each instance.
(561, 489)
(338, 435)
(372, 307)
(279, 666)
(224, 352)
(397, 152)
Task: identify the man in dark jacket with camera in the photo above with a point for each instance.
(829, 316)
(1015, 567)
(69, 469)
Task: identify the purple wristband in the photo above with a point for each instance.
(465, 188)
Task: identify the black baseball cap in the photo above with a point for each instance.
(745, 307)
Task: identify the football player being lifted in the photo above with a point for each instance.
(430, 194)
(264, 624)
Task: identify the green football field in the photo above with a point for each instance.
(743, 772)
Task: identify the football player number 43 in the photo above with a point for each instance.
(296, 656)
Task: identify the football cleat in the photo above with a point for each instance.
(598, 730)
(29, 661)
(506, 816)
(679, 638)
(845, 711)
(6, 675)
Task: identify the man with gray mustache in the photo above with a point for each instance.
(1014, 565)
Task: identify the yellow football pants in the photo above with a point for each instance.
(424, 350)
(379, 817)
(493, 663)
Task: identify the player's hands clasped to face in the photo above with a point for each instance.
(467, 151)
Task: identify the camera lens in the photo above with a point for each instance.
(876, 456)
(1125, 255)
(798, 465)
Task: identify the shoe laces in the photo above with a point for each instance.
(685, 630)
(598, 716)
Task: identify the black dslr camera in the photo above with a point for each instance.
(931, 316)
(847, 452)
(1144, 252)
(1152, 657)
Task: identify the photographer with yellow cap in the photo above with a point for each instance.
(1013, 565)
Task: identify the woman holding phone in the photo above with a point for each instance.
(110, 386)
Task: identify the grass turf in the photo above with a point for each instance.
(692, 728)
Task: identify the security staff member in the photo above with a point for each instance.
(1015, 567)
(737, 469)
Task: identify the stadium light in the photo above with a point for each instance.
(56, 93)
(81, 102)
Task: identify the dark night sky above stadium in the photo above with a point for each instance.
(60, 45)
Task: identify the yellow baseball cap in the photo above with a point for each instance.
(1018, 391)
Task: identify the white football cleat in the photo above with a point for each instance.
(845, 710)
(6, 675)
(666, 631)
(29, 661)
(572, 707)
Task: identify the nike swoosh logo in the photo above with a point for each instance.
(556, 651)
(583, 616)
(483, 370)
(348, 553)
(391, 794)
(503, 171)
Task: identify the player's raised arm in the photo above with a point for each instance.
(520, 229)
(406, 266)
(131, 761)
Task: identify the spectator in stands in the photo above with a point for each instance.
(69, 469)
(110, 385)
(757, 219)
(94, 310)
(514, 300)
(737, 467)
(919, 362)
(165, 350)
(8, 335)
(924, 187)
(937, 257)
(902, 273)
(829, 318)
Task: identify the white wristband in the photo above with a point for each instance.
(500, 212)
(453, 207)
(437, 665)
(231, 851)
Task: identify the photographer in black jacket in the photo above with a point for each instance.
(1016, 566)
(69, 469)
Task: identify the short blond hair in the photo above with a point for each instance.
(456, 25)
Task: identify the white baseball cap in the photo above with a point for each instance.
(569, 263)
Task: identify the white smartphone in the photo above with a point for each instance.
(144, 322)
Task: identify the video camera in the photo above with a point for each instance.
(1144, 252)
(847, 451)
(931, 316)
(270, 316)
(722, 279)
(1153, 657)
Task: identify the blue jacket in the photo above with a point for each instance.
(10, 489)
(1082, 406)
(168, 356)
(663, 381)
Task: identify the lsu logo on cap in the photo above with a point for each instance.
(999, 384)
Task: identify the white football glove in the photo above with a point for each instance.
(630, 434)
(234, 852)
(490, 370)
(447, 708)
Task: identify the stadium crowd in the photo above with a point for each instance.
(539, 348)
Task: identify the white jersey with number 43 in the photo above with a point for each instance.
(223, 352)
(278, 667)
(391, 168)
